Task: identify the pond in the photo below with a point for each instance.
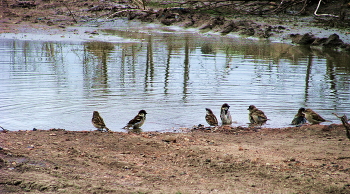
(57, 81)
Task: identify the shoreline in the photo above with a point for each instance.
(315, 157)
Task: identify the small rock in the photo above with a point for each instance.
(248, 31)
(333, 41)
(168, 22)
(214, 22)
(302, 39)
(94, 32)
(50, 23)
(229, 28)
(169, 139)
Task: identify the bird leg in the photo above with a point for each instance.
(344, 119)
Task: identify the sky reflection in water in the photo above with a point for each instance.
(173, 76)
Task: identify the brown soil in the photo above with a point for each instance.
(307, 159)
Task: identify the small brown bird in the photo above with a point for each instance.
(225, 115)
(137, 121)
(98, 122)
(211, 118)
(299, 118)
(256, 116)
(313, 117)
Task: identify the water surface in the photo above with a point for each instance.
(56, 82)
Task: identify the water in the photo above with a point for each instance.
(57, 82)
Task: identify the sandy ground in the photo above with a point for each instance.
(307, 159)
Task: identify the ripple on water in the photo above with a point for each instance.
(57, 84)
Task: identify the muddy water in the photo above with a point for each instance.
(56, 81)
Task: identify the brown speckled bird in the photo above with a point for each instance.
(256, 116)
(98, 122)
(211, 118)
(299, 118)
(313, 117)
(137, 121)
(225, 115)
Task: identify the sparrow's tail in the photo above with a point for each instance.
(127, 126)
(108, 130)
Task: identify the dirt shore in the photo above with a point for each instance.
(327, 31)
(307, 159)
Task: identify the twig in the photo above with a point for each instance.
(70, 12)
(344, 119)
(140, 4)
(315, 13)
(302, 9)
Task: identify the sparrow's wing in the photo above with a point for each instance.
(260, 115)
(135, 120)
(211, 119)
(98, 120)
(215, 120)
(317, 117)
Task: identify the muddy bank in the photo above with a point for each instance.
(307, 159)
(275, 28)
(265, 20)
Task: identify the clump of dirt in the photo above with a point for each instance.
(307, 159)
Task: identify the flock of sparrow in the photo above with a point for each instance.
(256, 117)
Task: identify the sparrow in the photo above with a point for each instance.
(225, 115)
(299, 118)
(313, 117)
(98, 122)
(256, 116)
(137, 121)
(211, 118)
